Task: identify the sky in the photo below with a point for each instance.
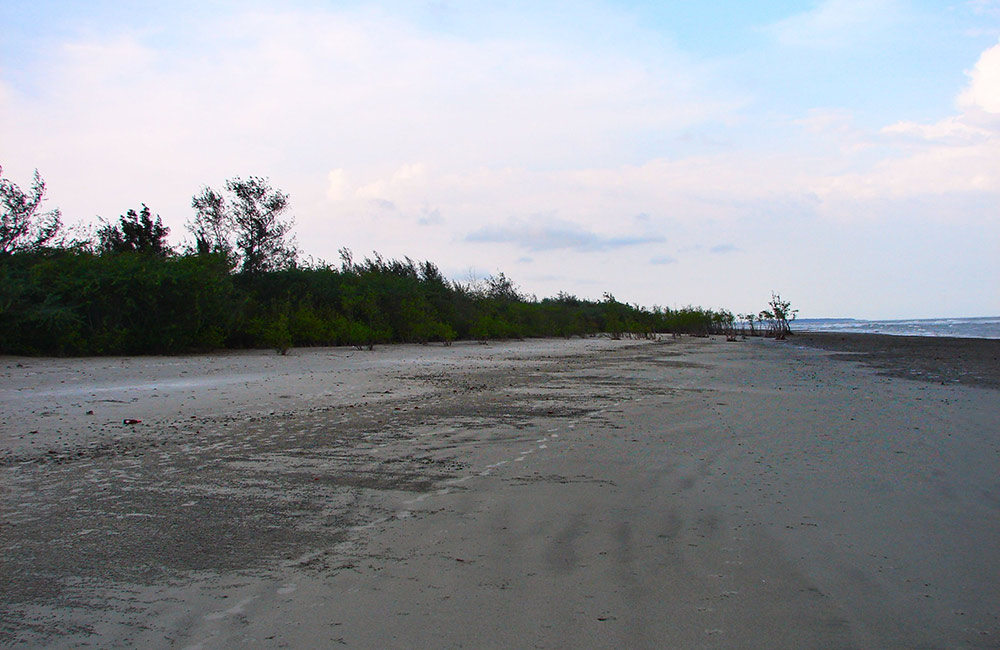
(843, 153)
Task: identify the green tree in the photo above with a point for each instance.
(249, 225)
(274, 333)
(23, 226)
(135, 232)
(782, 315)
(502, 289)
(211, 226)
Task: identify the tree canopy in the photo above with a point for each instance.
(248, 226)
(23, 224)
(136, 232)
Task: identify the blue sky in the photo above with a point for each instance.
(845, 153)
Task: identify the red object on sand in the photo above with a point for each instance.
(131, 421)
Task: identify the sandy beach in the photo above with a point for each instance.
(826, 492)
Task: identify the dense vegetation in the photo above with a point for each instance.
(126, 291)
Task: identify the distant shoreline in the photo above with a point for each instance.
(982, 327)
(939, 359)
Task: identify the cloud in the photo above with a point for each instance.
(955, 130)
(430, 217)
(663, 259)
(983, 91)
(959, 154)
(985, 7)
(353, 90)
(406, 176)
(336, 188)
(723, 249)
(541, 234)
(462, 118)
(827, 121)
(384, 204)
(834, 23)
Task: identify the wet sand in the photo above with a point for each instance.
(973, 362)
(591, 493)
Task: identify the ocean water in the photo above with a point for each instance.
(979, 328)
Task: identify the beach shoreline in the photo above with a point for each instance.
(587, 493)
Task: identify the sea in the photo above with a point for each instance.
(977, 328)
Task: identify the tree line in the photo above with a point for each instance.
(242, 283)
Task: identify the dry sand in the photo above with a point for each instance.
(554, 494)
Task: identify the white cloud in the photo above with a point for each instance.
(336, 188)
(954, 129)
(545, 232)
(983, 91)
(405, 178)
(834, 23)
(957, 154)
(661, 260)
(358, 93)
(928, 172)
(985, 7)
(396, 138)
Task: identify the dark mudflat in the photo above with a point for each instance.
(972, 362)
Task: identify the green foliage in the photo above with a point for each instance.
(778, 317)
(74, 302)
(135, 233)
(248, 227)
(23, 226)
(136, 295)
(274, 332)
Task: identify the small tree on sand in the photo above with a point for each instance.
(781, 314)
